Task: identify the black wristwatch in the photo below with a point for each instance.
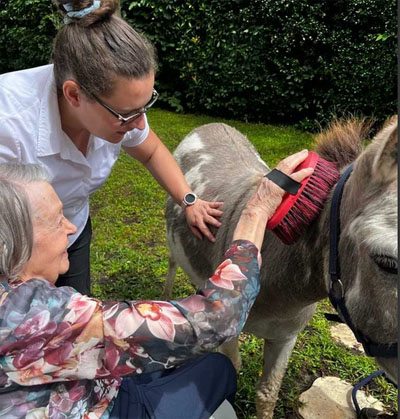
(189, 199)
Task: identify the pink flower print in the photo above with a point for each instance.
(63, 332)
(31, 353)
(77, 391)
(111, 358)
(194, 303)
(61, 403)
(159, 316)
(109, 313)
(34, 325)
(126, 323)
(197, 303)
(226, 273)
(58, 356)
(32, 375)
(81, 309)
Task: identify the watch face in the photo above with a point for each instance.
(190, 198)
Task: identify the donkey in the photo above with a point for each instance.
(220, 164)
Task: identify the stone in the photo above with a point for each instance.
(342, 333)
(330, 398)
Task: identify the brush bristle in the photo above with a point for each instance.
(309, 204)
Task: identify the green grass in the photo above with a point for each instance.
(129, 261)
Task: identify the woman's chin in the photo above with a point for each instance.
(114, 138)
(64, 267)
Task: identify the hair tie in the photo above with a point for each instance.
(73, 15)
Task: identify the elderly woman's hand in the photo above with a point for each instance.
(269, 195)
(202, 213)
(265, 201)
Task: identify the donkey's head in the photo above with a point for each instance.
(368, 239)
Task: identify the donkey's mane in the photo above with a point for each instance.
(342, 141)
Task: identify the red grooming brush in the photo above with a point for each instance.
(297, 211)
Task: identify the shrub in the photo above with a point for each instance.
(273, 60)
(280, 61)
(27, 28)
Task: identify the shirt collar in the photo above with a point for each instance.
(52, 139)
(51, 135)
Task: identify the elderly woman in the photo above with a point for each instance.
(63, 354)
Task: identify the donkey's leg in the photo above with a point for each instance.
(231, 350)
(276, 357)
(169, 282)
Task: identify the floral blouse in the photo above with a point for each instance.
(62, 354)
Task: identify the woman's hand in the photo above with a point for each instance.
(265, 201)
(269, 195)
(202, 213)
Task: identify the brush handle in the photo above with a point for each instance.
(284, 181)
(289, 200)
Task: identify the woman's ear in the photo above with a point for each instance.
(72, 93)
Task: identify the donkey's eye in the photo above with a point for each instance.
(386, 263)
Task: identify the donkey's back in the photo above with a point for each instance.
(221, 164)
(211, 156)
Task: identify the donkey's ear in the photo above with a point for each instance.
(384, 167)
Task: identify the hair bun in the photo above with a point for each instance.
(86, 12)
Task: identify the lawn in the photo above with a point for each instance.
(129, 261)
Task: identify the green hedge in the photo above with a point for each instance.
(274, 60)
(282, 61)
(27, 28)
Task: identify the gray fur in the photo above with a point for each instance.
(222, 164)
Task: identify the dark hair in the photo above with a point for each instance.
(99, 47)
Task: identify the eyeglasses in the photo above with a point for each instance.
(129, 118)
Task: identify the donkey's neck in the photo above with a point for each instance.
(301, 269)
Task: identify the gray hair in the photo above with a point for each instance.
(16, 231)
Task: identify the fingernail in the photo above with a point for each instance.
(304, 151)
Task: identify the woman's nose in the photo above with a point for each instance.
(71, 228)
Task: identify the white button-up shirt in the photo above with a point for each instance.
(30, 132)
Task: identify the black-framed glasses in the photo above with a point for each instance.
(129, 118)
